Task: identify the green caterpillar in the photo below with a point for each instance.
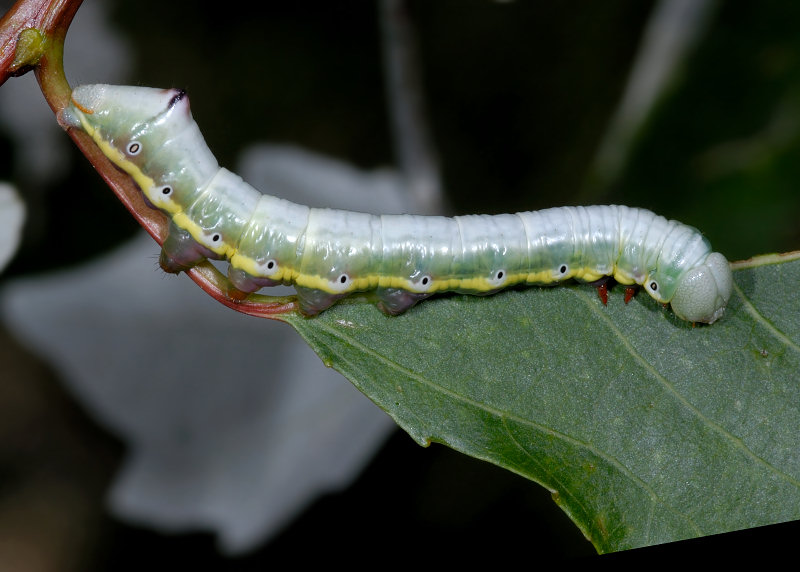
(328, 254)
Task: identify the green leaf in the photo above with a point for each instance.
(645, 428)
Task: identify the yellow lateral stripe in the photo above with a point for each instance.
(624, 279)
(117, 157)
(144, 182)
(372, 281)
(183, 222)
(290, 275)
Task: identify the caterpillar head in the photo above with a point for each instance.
(702, 293)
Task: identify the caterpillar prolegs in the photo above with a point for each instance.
(328, 254)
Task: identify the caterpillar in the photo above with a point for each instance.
(329, 254)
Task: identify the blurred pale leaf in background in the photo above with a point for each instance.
(12, 216)
(233, 424)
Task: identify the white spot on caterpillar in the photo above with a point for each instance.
(342, 283)
(423, 284)
(161, 196)
(498, 278)
(211, 240)
(269, 267)
(562, 272)
(134, 148)
(652, 288)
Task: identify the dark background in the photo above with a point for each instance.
(519, 95)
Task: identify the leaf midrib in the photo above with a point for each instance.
(735, 441)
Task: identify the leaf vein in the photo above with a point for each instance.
(751, 309)
(735, 441)
(504, 416)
